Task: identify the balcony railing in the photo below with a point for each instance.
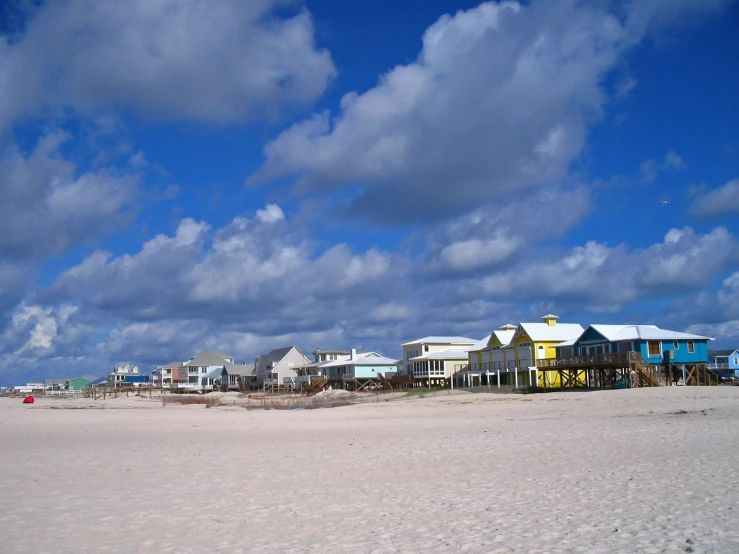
(613, 359)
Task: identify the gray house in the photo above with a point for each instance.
(279, 366)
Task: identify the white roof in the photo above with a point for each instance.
(615, 333)
(481, 344)
(542, 332)
(444, 355)
(365, 358)
(442, 340)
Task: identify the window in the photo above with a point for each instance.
(691, 346)
(654, 348)
(736, 361)
(625, 347)
(675, 345)
(425, 347)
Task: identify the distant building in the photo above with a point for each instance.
(79, 383)
(280, 365)
(726, 360)
(367, 365)
(126, 376)
(435, 359)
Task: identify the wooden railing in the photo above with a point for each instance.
(612, 359)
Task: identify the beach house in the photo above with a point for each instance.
(79, 383)
(432, 360)
(126, 376)
(365, 365)
(658, 347)
(204, 369)
(515, 362)
(724, 360)
(279, 366)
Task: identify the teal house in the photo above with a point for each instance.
(657, 346)
(79, 383)
(365, 365)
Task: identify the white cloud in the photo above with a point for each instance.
(596, 275)
(219, 62)
(651, 169)
(721, 201)
(500, 99)
(270, 214)
(47, 206)
(39, 332)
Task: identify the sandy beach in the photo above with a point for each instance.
(647, 470)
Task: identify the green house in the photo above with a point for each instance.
(79, 383)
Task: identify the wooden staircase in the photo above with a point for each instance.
(316, 386)
(645, 375)
(384, 383)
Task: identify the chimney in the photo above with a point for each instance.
(551, 320)
(353, 354)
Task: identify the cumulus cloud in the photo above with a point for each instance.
(499, 233)
(499, 100)
(260, 271)
(721, 201)
(46, 205)
(39, 332)
(222, 62)
(597, 275)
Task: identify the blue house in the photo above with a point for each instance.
(727, 360)
(364, 365)
(657, 346)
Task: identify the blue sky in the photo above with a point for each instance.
(241, 176)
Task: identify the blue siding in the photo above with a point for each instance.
(681, 355)
(734, 361)
(365, 371)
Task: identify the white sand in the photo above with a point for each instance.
(612, 471)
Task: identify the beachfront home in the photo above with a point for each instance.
(658, 347)
(435, 359)
(203, 370)
(279, 366)
(127, 375)
(515, 363)
(724, 360)
(364, 365)
(78, 383)
(171, 375)
(310, 372)
(480, 355)
(227, 376)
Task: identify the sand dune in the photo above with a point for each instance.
(648, 470)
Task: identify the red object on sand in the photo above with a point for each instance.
(29, 400)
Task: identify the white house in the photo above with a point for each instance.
(435, 358)
(280, 365)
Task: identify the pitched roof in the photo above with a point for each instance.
(223, 354)
(442, 340)
(481, 344)
(615, 333)
(205, 359)
(542, 332)
(238, 369)
(172, 365)
(721, 352)
(365, 358)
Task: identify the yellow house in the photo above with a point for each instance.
(532, 342)
(480, 354)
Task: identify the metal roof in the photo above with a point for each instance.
(442, 340)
